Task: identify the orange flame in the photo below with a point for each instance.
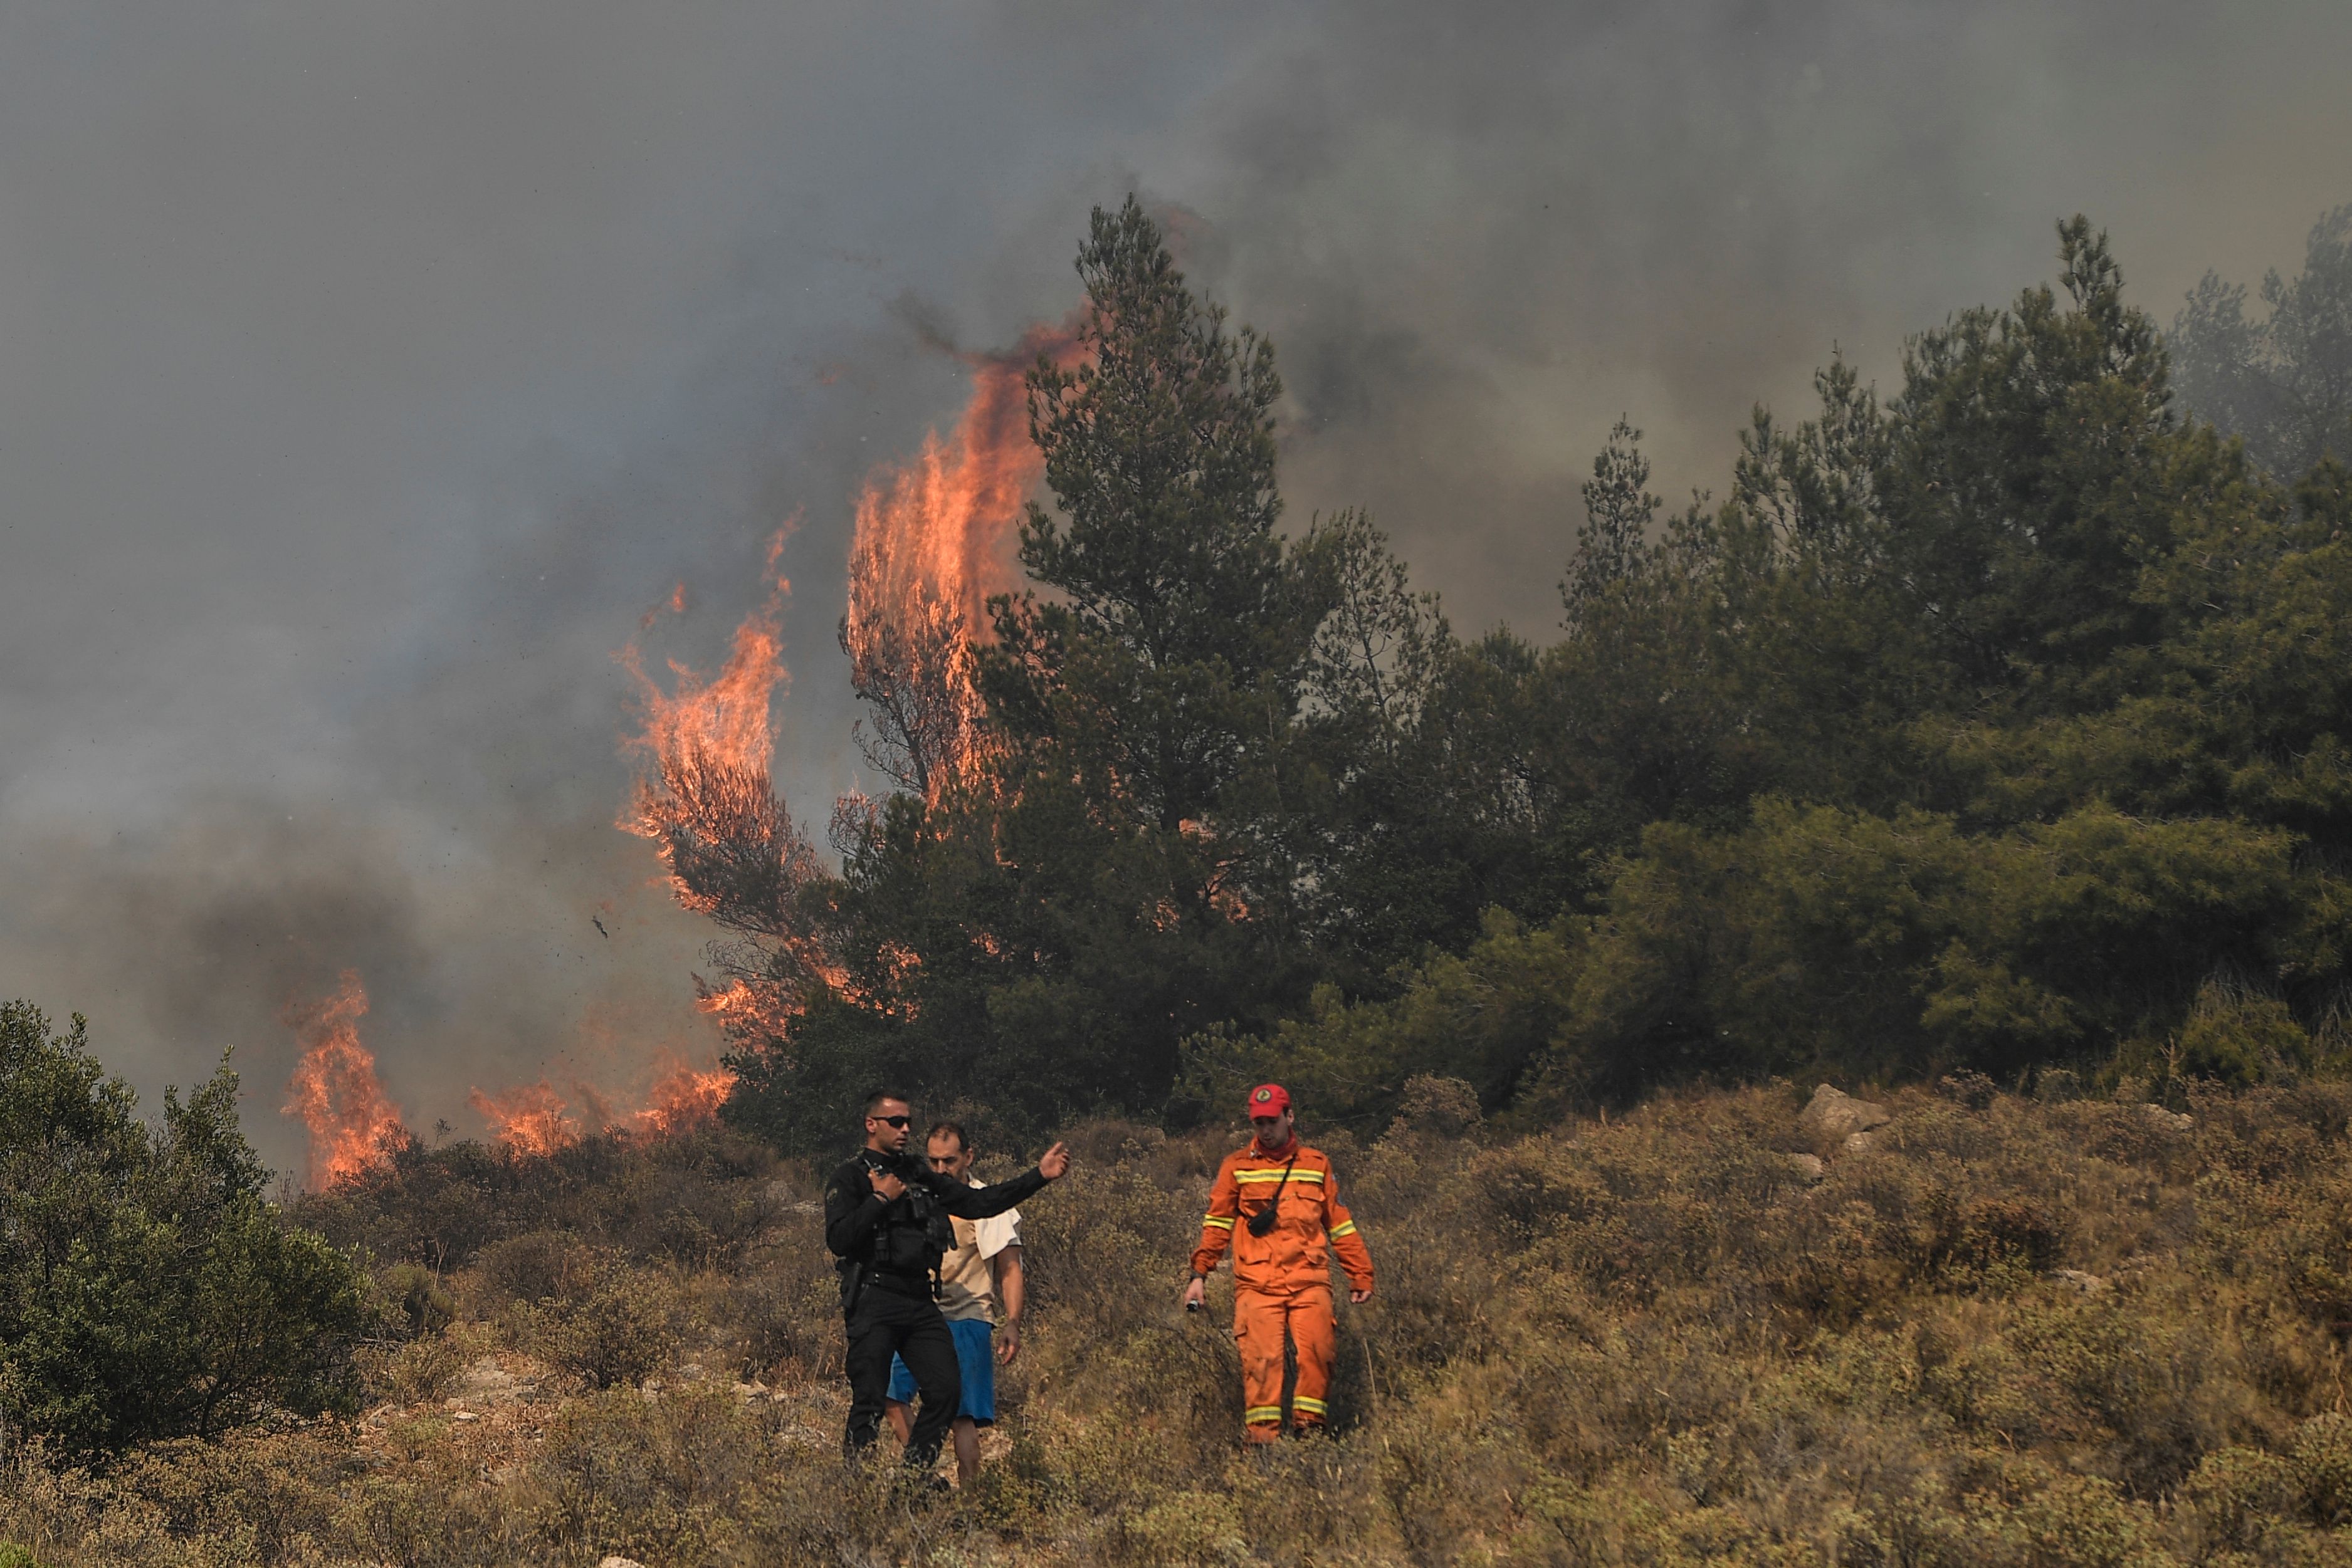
(933, 541)
(353, 1122)
(684, 1097)
(724, 720)
(732, 1000)
(527, 1119)
(531, 1122)
(1223, 897)
(709, 785)
(674, 604)
(728, 845)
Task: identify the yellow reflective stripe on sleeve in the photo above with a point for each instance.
(1312, 1407)
(1273, 1172)
(1347, 1229)
(1220, 1221)
(1256, 1414)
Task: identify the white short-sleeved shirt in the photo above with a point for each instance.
(967, 1283)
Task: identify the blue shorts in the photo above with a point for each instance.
(972, 1341)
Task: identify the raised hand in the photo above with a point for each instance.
(1055, 1161)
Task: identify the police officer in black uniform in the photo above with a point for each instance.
(886, 1221)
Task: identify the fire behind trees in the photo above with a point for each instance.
(932, 543)
(1999, 722)
(728, 846)
(355, 1129)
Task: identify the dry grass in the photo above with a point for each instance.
(2010, 1334)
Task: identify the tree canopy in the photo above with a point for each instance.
(1999, 722)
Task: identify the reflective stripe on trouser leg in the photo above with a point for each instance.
(1313, 1329)
(1257, 1332)
(1260, 1321)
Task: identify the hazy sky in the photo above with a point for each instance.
(366, 370)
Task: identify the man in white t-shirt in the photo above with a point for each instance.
(981, 1274)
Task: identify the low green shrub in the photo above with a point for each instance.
(416, 1298)
(147, 1289)
(614, 1330)
(423, 1370)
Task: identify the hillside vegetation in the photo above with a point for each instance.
(1989, 743)
(2008, 1332)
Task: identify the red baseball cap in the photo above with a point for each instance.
(1269, 1100)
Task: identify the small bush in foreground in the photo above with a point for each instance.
(146, 1289)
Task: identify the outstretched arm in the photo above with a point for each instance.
(986, 1202)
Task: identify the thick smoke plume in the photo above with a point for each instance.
(369, 373)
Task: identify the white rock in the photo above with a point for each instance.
(2089, 1284)
(1809, 1167)
(485, 1382)
(620, 1562)
(1857, 1142)
(465, 1415)
(1834, 1115)
(2171, 1121)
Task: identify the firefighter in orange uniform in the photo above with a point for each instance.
(1277, 1204)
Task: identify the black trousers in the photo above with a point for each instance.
(885, 1323)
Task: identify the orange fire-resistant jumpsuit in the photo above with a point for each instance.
(1282, 1280)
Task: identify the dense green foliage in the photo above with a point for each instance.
(146, 1289)
(1998, 723)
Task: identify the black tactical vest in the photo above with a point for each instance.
(914, 1232)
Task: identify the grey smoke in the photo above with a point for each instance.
(366, 373)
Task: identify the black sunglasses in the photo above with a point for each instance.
(894, 1121)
